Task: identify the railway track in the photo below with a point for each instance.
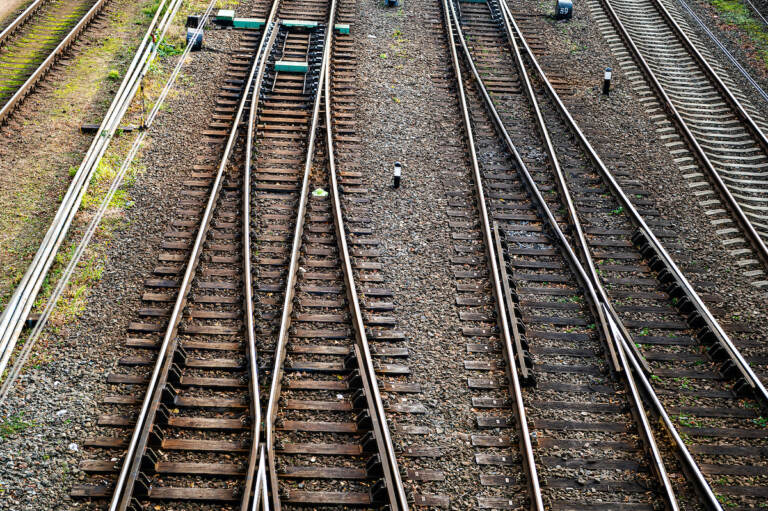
(261, 240)
(33, 43)
(715, 135)
(597, 315)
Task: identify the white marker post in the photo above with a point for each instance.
(398, 173)
(607, 81)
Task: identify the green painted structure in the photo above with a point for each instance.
(225, 16)
(289, 66)
(299, 23)
(248, 22)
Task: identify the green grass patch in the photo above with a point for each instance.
(736, 13)
(13, 425)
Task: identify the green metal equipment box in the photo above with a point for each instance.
(248, 22)
(299, 23)
(290, 66)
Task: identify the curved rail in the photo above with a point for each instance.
(666, 262)
(396, 493)
(753, 237)
(132, 461)
(618, 333)
(250, 334)
(629, 362)
(612, 331)
(511, 368)
(395, 485)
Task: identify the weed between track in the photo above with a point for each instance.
(736, 14)
(107, 58)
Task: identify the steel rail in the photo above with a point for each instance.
(261, 497)
(688, 463)
(92, 226)
(21, 302)
(723, 49)
(749, 231)
(612, 323)
(398, 500)
(669, 265)
(511, 369)
(44, 66)
(255, 405)
(20, 20)
(730, 99)
(131, 466)
(290, 284)
(757, 11)
(598, 302)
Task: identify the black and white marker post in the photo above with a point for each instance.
(398, 172)
(607, 81)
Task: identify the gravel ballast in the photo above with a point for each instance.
(60, 399)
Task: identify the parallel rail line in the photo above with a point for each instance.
(35, 41)
(718, 129)
(594, 277)
(202, 415)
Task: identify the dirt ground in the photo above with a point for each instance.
(7, 7)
